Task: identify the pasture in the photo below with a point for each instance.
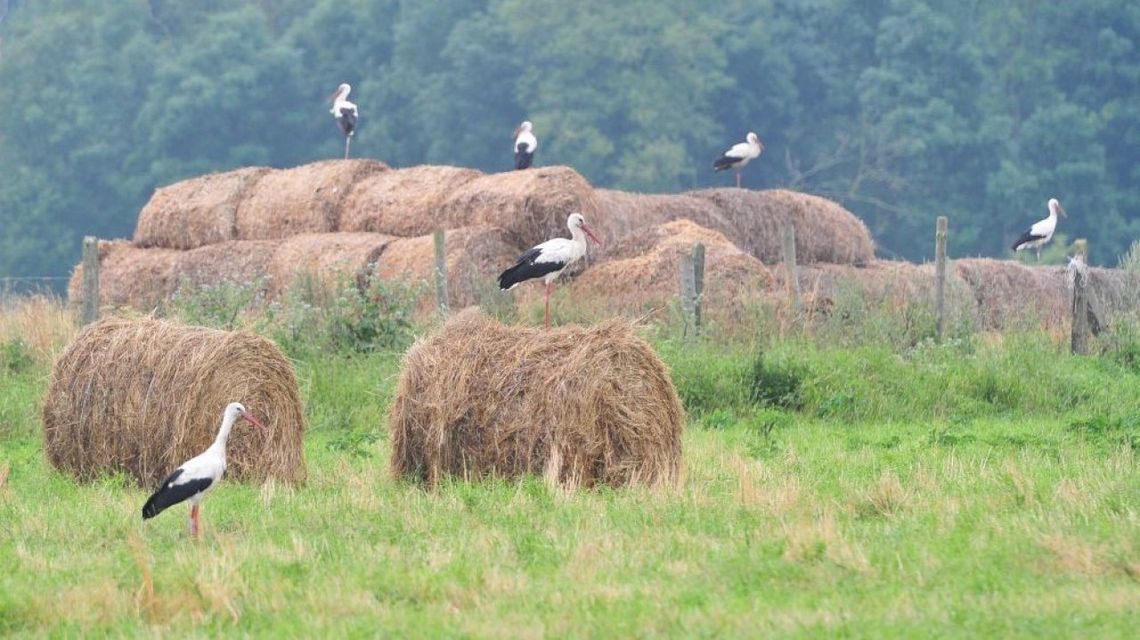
(871, 485)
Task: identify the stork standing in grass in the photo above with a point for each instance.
(198, 475)
(345, 113)
(525, 145)
(739, 155)
(550, 258)
(1041, 232)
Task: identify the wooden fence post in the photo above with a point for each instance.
(940, 232)
(90, 279)
(698, 258)
(440, 271)
(688, 294)
(1078, 269)
(790, 267)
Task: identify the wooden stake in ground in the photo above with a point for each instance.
(790, 267)
(440, 271)
(692, 285)
(940, 233)
(90, 279)
(1078, 274)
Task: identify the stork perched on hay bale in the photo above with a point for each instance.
(549, 259)
(345, 113)
(1041, 232)
(525, 145)
(196, 476)
(739, 155)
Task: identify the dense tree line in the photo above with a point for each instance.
(901, 109)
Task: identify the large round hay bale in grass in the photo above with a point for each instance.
(142, 396)
(195, 212)
(581, 406)
(305, 199)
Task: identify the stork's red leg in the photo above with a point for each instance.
(547, 315)
(194, 521)
(737, 179)
(347, 140)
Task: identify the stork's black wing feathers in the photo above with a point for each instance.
(347, 121)
(526, 268)
(169, 494)
(1028, 236)
(523, 158)
(725, 162)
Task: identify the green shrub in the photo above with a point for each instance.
(775, 384)
(219, 306)
(15, 356)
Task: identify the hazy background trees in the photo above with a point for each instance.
(900, 109)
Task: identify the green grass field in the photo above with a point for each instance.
(978, 488)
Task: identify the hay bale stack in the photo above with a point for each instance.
(196, 212)
(644, 269)
(622, 213)
(402, 202)
(475, 257)
(238, 262)
(825, 231)
(142, 396)
(580, 405)
(1010, 294)
(326, 258)
(529, 206)
(128, 276)
(305, 199)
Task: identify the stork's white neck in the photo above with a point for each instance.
(224, 432)
(577, 235)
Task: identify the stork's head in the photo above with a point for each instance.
(576, 221)
(1056, 209)
(525, 126)
(341, 92)
(235, 410)
(752, 138)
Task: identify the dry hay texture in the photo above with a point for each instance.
(305, 199)
(145, 395)
(402, 202)
(475, 257)
(529, 206)
(196, 212)
(581, 406)
(235, 262)
(644, 269)
(128, 276)
(327, 259)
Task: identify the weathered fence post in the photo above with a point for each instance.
(790, 267)
(1078, 272)
(440, 272)
(90, 279)
(692, 286)
(698, 285)
(940, 231)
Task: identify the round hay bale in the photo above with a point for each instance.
(475, 257)
(305, 199)
(324, 259)
(581, 406)
(402, 202)
(142, 396)
(622, 213)
(128, 276)
(643, 269)
(529, 206)
(238, 262)
(195, 212)
(1009, 294)
(825, 231)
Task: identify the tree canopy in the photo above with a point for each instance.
(902, 110)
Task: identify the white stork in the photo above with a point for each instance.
(739, 155)
(345, 113)
(549, 259)
(525, 145)
(1042, 231)
(199, 474)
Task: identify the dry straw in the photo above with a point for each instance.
(579, 405)
(325, 259)
(144, 395)
(196, 212)
(402, 202)
(129, 277)
(305, 199)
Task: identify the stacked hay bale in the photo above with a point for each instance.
(325, 259)
(142, 396)
(580, 406)
(196, 212)
(402, 202)
(129, 277)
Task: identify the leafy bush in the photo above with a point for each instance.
(15, 356)
(775, 385)
(219, 306)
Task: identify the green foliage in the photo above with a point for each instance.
(775, 384)
(15, 356)
(707, 378)
(220, 306)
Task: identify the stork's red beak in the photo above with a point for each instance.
(516, 133)
(248, 417)
(590, 232)
(332, 97)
